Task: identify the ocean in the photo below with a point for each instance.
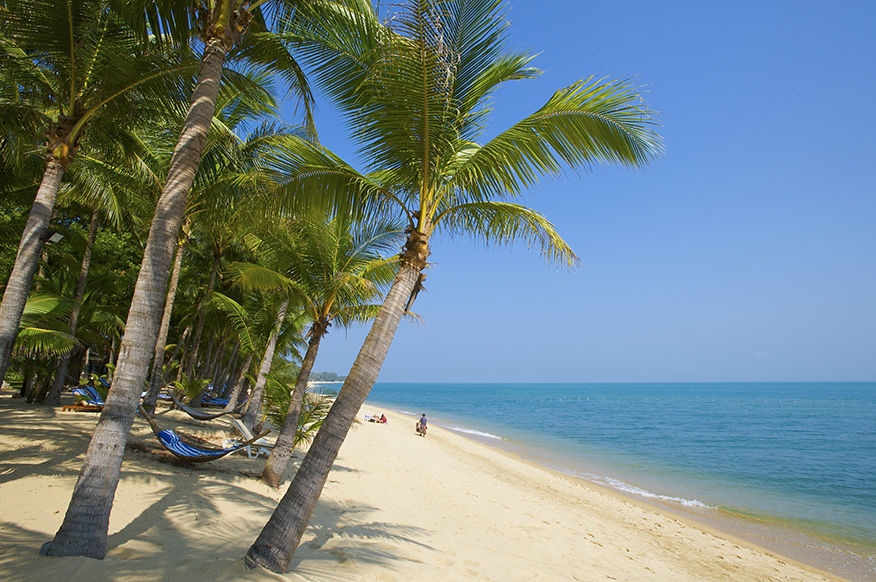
(790, 466)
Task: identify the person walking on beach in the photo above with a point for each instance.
(421, 426)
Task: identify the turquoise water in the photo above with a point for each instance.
(800, 456)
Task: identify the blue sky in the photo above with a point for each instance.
(747, 253)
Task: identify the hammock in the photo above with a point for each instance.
(171, 441)
(197, 414)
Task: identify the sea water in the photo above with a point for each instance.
(791, 465)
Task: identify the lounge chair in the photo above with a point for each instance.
(197, 414)
(86, 403)
(171, 441)
(210, 401)
(94, 394)
(251, 442)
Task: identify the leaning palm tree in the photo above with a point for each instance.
(337, 273)
(116, 185)
(74, 68)
(414, 94)
(223, 27)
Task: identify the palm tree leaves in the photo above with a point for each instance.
(42, 331)
(416, 97)
(504, 223)
(79, 64)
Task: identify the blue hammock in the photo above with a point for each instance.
(171, 441)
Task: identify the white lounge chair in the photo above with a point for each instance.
(264, 446)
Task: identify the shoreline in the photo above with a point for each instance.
(396, 507)
(826, 556)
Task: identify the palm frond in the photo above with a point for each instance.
(505, 223)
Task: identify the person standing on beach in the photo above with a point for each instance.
(422, 427)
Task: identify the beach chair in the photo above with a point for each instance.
(85, 402)
(94, 395)
(210, 401)
(264, 446)
(199, 415)
(171, 441)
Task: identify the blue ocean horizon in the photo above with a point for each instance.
(793, 461)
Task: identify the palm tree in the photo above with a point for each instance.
(74, 67)
(337, 273)
(112, 185)
(223, 24)
(414, 96)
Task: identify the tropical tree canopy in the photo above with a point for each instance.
(415, 97)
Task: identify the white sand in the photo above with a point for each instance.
(396, 507)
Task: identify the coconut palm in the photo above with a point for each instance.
(337, 273)
(74, 67)
(84, 530)
(414, 95)
(220, 187)
(119, 186)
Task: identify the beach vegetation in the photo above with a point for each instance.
(222, 31)
(335, 274)
(278, 397)
(72, 77)
(415, 92)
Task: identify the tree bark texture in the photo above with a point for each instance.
(84, 530)
(27, 259)
(156, 379)
(277, 462)
(197, 400)
(240, 385)
(54, 397)
(276, 544)
(227, 387)
(202, 315)
(254, 408)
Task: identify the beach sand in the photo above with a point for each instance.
(396, 507)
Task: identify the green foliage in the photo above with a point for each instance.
(11, 224)
(191, 387)
(326, 377)
(416, 95)
(278, 395)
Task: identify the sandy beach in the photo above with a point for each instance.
(396, 507)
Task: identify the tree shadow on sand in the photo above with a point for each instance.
(186, 522)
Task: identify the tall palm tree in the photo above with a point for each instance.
(119, 186)
(74, 67)
(223, 24)
(333, 273)
(414, 94)
(337, 273)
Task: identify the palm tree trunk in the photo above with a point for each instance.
(240, 383)
(54, 397)
(277, 542)
(26, 261)
(276, 464)
(227, 387)
(254, 408)
(209, 363)
(202, 315)
(156, 380)
(84, 530)
(27, 386)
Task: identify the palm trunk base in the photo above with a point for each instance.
(275, 467)
(276, 544)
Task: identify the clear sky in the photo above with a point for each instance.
(747, 253)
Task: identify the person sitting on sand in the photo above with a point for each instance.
(383, 418)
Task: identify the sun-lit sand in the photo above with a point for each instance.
(396, 507)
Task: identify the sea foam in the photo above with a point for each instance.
(627, 488)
